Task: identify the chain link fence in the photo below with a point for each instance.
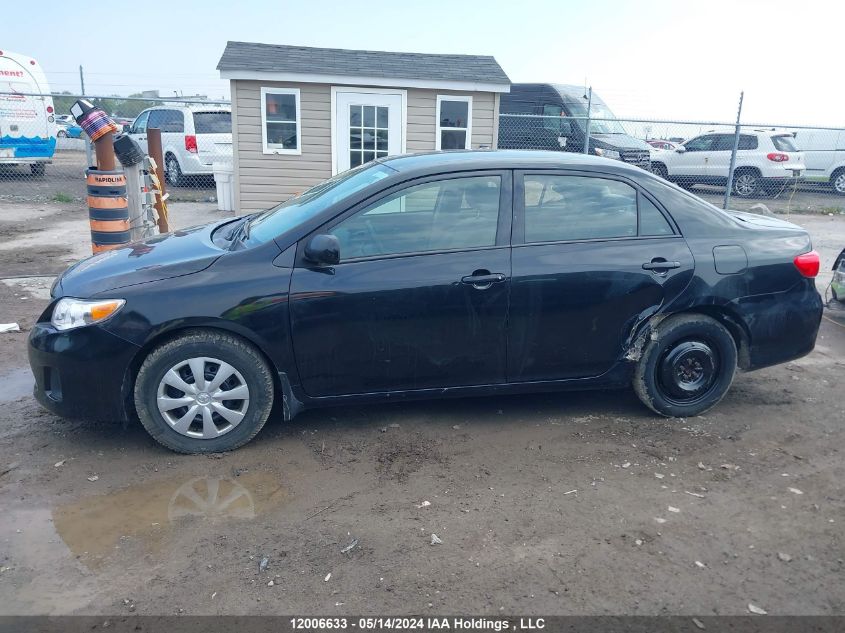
(771, 161)
(44, 153)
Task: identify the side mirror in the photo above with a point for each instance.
(323, 250)
(681, 149)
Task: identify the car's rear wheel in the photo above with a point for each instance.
(837, 181)
(173, 171)
(746, 183)
(686, 367)
(204, 392)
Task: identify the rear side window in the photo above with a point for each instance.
(565, 208)
(213, 122)
(784, 143)
(570, 208)
(747, 141)
(167, 121)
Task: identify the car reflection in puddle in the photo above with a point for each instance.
(94, 527)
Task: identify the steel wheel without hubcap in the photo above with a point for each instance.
(687, 371)
(839, 184)
(203, 397)
(745, 185)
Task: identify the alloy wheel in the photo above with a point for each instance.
(839, 183)
(203, 397)
(745, 184)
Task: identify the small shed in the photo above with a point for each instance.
(301, 114)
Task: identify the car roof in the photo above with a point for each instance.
(503, 159)
(192, 108)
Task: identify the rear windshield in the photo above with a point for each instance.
(784, 144)
(213, 122)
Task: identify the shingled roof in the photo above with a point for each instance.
(275, 58)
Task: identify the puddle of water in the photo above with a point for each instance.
(16, 384)
(92, 527)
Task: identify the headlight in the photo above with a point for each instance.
(607, 153)
(71, 313)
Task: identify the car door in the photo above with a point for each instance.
(139, 130)
(592, 256)
(419, 299)
(694, 161)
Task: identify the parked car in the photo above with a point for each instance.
(68, 130)
(424, 276)
(824, 155)
(765, 161)
(661, 144)
(27, 122)
(192, 138)
(555, 132)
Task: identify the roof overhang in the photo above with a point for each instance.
(362, 80)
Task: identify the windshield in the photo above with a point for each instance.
(293, 212)
(598, 110)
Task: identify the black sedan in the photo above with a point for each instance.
(425, 276)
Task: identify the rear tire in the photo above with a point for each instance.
(173, 172)
(837, 182)
(686, 367)
(191, 415)
(747, 183)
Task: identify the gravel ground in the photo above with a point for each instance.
(576, 503)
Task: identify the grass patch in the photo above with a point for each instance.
(62, 197)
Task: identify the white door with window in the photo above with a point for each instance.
(368, 125)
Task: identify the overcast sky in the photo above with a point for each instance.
(649, 58)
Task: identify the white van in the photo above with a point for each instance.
(824, 155)
(192, 138)
(27, 122)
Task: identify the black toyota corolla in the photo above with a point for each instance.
(424, 276)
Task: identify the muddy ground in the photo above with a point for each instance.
(578, 503)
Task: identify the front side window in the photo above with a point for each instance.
(140, 124)
(457, 213)
(700, 144)
(280, 120)
(454, 122)
(167, 121)
(567, 208)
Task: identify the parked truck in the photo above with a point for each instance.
(27, 117)
(558, 122)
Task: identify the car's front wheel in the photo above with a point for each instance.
(204, 392)
(659, 169)
(686, 367)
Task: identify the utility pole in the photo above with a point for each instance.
(733, 155)
(88, 155)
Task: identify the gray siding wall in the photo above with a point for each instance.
(262, 180)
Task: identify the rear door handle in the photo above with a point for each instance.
(483, 281)
(660, 264)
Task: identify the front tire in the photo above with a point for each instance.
(686, 367)
(204, 392)
(659, 169)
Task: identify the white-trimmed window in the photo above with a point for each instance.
(281, 121)
(454, 122)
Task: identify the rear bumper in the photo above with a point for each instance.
(80, 373)
(781, 326)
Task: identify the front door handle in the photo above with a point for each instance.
(483, 279)
(660, 264)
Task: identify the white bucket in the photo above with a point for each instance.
(224, 178)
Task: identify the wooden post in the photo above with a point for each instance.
(155, 152)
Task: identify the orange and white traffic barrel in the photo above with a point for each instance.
(108, 209)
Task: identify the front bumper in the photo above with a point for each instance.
(80, 373)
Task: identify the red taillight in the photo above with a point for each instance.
(191, 143)
(777, 157)
(807, 264)
(49, 109)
